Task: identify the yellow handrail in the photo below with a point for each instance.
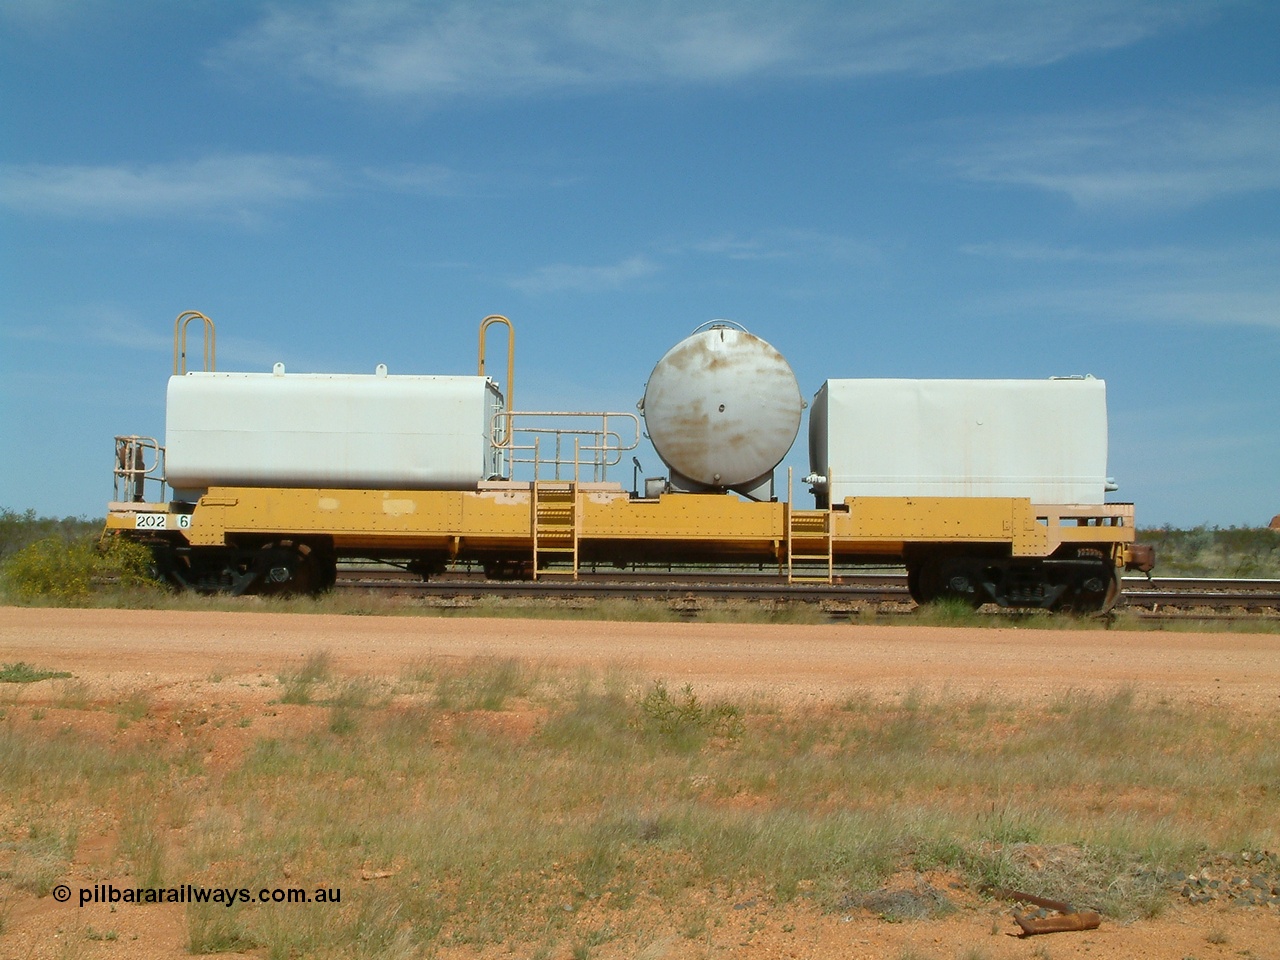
(180, 341)
(485, 324)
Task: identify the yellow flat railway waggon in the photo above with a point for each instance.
(246, 512)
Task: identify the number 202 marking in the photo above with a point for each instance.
(160, 521)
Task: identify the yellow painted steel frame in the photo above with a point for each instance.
(1030, 530)
(501, 518)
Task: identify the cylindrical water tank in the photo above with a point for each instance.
(722, 407)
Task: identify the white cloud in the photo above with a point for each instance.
(114, 327)
(789, 244)
(232, 187)
(426, 179)
(44, 14)
(1166, 257)
(559, 277)
(487, 48)
(235, 187)
(1135, 160)
(1234, 285)
(1196, 302)
(783, 244)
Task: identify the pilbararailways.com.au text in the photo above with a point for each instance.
(190, 893)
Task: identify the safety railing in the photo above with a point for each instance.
(567, 446)
(138, 459)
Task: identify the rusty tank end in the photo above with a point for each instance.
(722, 408)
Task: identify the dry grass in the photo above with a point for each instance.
(500, 803)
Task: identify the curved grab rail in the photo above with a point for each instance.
(485, 324)
(180, 341)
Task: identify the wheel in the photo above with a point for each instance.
(936, 578)
(329, 571)
(1095, 592)
(288, 569)
(1090, 582)
(913, 585)
(1113, 592)
(507, 569)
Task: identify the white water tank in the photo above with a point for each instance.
(330, 430)
(1041, 439)
(722, 409)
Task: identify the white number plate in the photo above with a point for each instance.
(161, 521)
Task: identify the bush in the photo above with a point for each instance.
(18, 530)
(1215, 551)
(684, 721)
(66, 571)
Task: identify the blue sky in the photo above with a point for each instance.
(942, 188)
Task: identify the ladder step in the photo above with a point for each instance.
(555, 528)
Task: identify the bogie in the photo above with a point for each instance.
(281, 568)
(1081, 580)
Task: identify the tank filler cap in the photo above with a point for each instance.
(719, 325)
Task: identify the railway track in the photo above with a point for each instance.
(1158, 597)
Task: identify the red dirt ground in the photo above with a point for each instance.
(187, 661)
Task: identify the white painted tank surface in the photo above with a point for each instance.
(329, 430)
(722, 408)
(1042, 439)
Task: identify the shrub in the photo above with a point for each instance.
(18, 530)
(1215, 552)
(66, 571)
(685, 721)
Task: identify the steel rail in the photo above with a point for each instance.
(1138, 592)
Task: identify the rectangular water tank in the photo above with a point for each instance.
(1042, 439)
(330, 430)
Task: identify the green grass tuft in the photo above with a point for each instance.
(25, 673)
(684, 721)
(485, 685)
(299, 684)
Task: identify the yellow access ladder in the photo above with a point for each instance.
(555, 528)
(809, 553)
